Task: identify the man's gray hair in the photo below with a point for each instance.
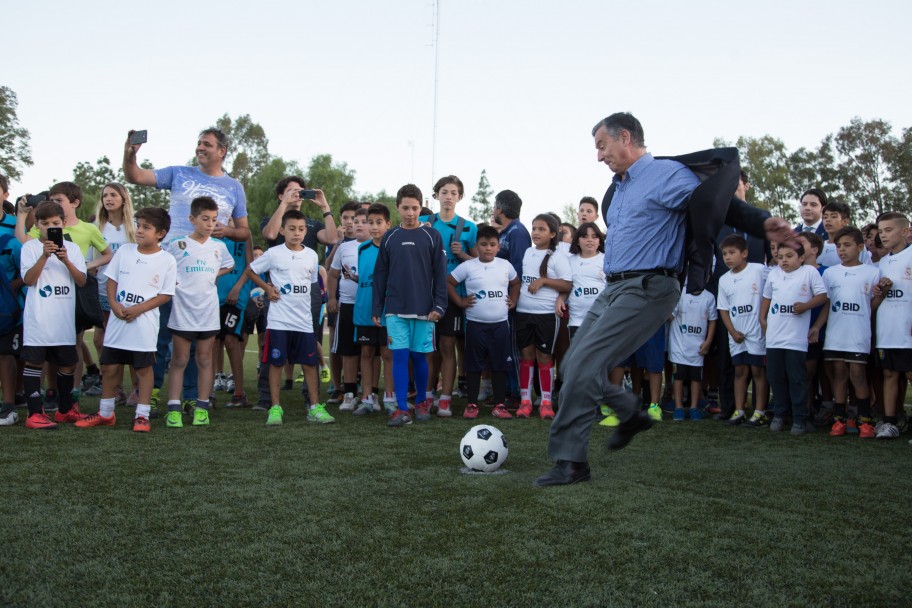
(622, 121)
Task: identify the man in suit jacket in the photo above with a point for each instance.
(811, 207)
(654, 203)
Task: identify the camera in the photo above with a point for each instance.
(33, 200)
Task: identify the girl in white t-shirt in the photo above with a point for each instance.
(545, 275)
(114, 218)
(587, 256)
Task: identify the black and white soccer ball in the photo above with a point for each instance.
(483, 448)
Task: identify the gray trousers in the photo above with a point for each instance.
(623, 318)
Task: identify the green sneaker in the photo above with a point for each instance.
(655, 412)
(325, 376)
(153, 400)
(318, 413)
(175, 420)
(611, 420)
(275, 415)
(605, 410)
(200, 417)
(188, 405)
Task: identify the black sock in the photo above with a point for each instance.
(350, 387)
(473, 385)
(839, 411)
(93, 370)
(375, 390)
(864, 409)
(65, 390)
(499, 386)
(890, 420)
(31, 382)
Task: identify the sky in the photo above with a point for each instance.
(519, 83)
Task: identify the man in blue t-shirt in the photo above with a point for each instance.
(186, 183)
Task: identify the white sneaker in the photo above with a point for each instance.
(348, 403)
(10, 419)
(229, 383)
(219, 384)
(887, 431)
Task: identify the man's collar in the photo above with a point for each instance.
(636, 168)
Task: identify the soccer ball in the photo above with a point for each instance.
(483, 448)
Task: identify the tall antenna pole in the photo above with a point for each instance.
(436, 65)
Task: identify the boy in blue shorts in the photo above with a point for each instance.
(410, 292)
(372, 339)
(651, 358)
(289, 324)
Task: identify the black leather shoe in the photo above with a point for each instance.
(564, 473)
(628, 430)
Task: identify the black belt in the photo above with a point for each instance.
(630, 274)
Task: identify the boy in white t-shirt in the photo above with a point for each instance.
(790, 292)
(289, 324)
(740, 296)
(343, 279)
(893, 303)
(492, 288)
(693, 327)
(141, 277)
(51, 273)
(847, 346)
(195, 313)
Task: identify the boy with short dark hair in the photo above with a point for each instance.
(587, 211)
(195, 313)
(372, 339)
(492, 286)
(893, 303)
(234, 294)
(289, 324)
(790, 292)
(848, 340)
(49, 322)
(409, 290)
(141, 277)
(739, 299)
(692, 330)
(836, 216)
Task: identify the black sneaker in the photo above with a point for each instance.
(50, 401)
(626, 431)
(758, 421)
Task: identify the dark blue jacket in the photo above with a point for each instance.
(410, 275)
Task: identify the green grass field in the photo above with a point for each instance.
(356, 514)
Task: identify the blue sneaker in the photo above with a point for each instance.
(696, 413)
(679, 415)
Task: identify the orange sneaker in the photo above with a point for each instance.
(545, 410)
(501, 412)
(40, 421)
(866, 430)
(141, 424)
(74, 415)
(95, 420)
(838, 429)
(471, 412)
(525, 409)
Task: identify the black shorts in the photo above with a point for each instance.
(193, 336)
(120, 356)
(746, 358)
(316, 308)
(488, 346)
(538, 330)
(452, 323)
(63, 356)
(232, 320)
(283, 346)
(344, 338)
(687, 373)
(11, 343)
(895, 359)
(251, 319)
(371, 335)
(815, 351)
(841, 355)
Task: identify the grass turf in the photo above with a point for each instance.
(358, 514)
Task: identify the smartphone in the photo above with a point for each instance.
(55, 235)
(139, 137)
(307, 195)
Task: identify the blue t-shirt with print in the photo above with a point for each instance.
(238, 251)
(188, 183)
(364, 297)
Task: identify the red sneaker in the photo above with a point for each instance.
(40, 421)
(838, 429)
(866, 430)
(444, 408)
(545, 410)
(471, 412)
(525, 409)
(95, 420)
(852, 426)
(501, 412)
(74, 415)
(141, 424)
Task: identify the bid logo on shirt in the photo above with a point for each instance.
(846, 306)
(57, 290)
(690, 329)
(784, 309)
(741, 310)
(526, 279)
(288, 288)
(129, 298)
(481, 295)
(895, 293)
(586, 291)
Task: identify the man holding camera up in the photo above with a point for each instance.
(186, 183)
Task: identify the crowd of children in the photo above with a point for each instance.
(436, 306)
